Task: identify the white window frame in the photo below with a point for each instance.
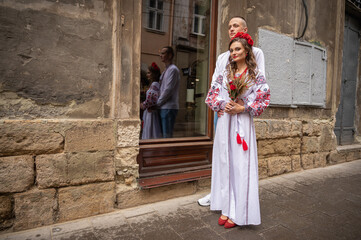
(201, 20)
(156, 11)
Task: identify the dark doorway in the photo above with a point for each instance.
(345, 117)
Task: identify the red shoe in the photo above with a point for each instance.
(229, 225)
(221, 221)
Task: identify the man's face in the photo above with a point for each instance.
(164, 56)
(235, 26)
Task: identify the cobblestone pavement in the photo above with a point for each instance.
(323, 203)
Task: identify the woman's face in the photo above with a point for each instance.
(238, 52)
(149, 75)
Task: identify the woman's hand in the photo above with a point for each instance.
(234, 108)
(141, 106)
(220, 113)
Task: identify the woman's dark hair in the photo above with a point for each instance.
(155, 72)
(250, 59)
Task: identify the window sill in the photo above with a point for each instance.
(155, 31)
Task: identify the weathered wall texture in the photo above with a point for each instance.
(56, 59)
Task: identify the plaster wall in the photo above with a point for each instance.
(56, 59)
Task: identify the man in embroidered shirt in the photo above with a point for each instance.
(169, 92)
(235, 25)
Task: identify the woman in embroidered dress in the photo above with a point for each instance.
(234, 188)
(151, 121)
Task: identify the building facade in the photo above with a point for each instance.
(73, 77)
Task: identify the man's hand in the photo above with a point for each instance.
(220, 113)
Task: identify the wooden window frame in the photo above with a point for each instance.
(182, 149)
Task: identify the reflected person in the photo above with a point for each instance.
(151, 121)
(168, 102)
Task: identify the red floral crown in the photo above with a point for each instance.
(245, 36)
(155, 66)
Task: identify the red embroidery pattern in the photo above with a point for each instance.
(211, 99)
(262, 100)
(152, 96)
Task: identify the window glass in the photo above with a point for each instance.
(172, 105)
(155, 15)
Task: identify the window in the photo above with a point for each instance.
(183, 152)
(295, 70)
(155, 15)
(199, 20)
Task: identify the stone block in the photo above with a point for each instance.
(352, 155)
(262, 168)
(16, 173)
(320, 159)
(24, 137)
(87, 200)
(284, 128)
(283, 146)
(126, 156)
(307, 161)
(279, 165)
(261, 127)
(128, 133)
(311, 128)
(34, 208)
(328, 140)
(204, 183)
(90, 136)
(334, 157)
(57, 170)
(131, 198)
(127, 174)
(6, 208)
(296, 163)
(310, 144)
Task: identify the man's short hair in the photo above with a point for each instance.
(169, 51)
(244, 22)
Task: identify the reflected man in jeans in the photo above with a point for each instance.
(168, 102)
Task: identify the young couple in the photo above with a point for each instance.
(234, 189)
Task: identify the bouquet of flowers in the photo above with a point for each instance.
(238, 85)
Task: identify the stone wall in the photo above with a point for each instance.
(52, 171)
(292, 145)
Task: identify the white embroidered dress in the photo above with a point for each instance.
(151, 120)
(234, 188)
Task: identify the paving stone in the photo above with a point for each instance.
(71, 227)
(183, 222)
(121, 231)
(202, 234)
(146, 223)
(244, 232)
(161, 234)
(43, 233)
(291, 220)
(197, 211)
(212, 222)
(84, 234)
(109, 220)
(278, 233)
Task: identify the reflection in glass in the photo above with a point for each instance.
(185, 26)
